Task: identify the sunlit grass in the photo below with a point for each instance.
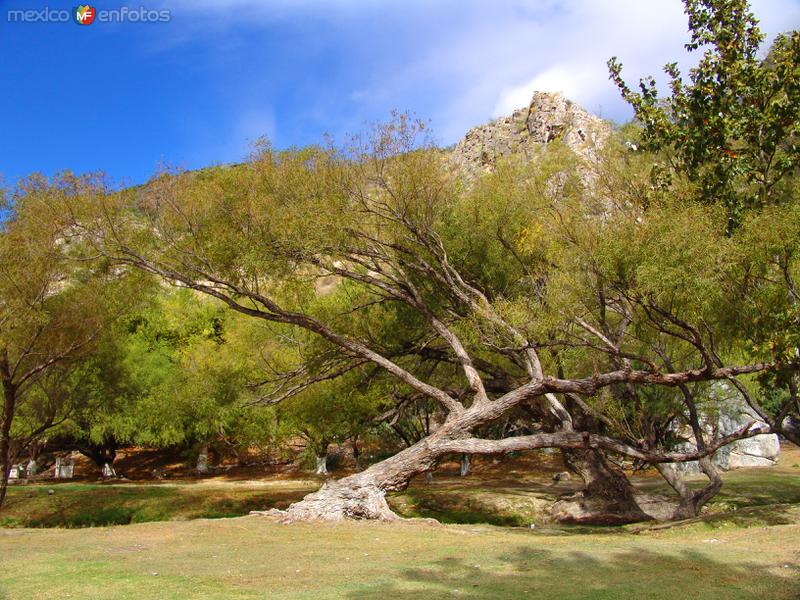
(252, 557)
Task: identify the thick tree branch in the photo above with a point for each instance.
(579, 440)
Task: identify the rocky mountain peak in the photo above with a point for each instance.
(548, 117)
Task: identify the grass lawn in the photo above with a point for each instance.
(471, 500)
(252, 557)
(748, 546)
(83, 505)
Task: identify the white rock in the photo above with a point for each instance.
(732, 415)
(548, 117)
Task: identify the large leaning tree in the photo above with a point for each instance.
(589, 296)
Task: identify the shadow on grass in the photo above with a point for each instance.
(748, 498)
(122, 505)
(753, 516)
(756, 516)
(747, 489)
(455, 508)
(577, 575)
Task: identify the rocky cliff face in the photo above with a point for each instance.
(548, 117)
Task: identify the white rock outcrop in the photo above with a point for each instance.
(758, 451)
(548, 117)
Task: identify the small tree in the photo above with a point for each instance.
(331, 412)
(732, 130)
(193, 366)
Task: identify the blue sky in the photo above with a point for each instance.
(125, 98)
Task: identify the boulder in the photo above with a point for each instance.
(758, 451)
(733, 414)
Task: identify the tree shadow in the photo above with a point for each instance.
(537, 573)
(754, 516)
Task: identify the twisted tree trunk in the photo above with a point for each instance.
(363, 495)
(608, 496)
(692, 501)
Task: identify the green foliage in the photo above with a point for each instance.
(362, 264)
(333, 411)
(733, 128)
(771, 266)
(53, 311)
(194, 362)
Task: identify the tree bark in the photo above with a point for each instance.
(9, 405)
(356, 451)
(322, 465)
(202, 460)
(465, 465)
(100, 454)
(363, 495)
(790, 429)
(320, 448)
(692, 501)
(608, 496)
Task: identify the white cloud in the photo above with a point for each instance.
(496, 62)
(460, 62)
(581, 84)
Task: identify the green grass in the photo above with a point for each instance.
(252, 557)
(82, 505)
(760, 487)
(505, 502)
(497, 505)
(747, 547)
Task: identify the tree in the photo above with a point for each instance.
(190, 369)
(733, 129)
(332, 412)
(52, 308)
(732, 134)
(388, 220)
